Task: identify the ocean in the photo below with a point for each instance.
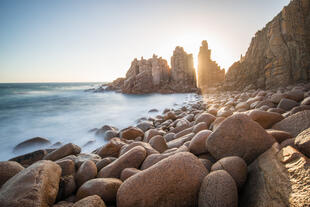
(65, 112)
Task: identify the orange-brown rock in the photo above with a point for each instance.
(86, 171)
(106, 188)
(164, 184)
(218, 189)
(131, 133)
(197, 145)
(128, 172)
(37, 184)
(264, 118)
(158, 143)
(63, 151)
(302, 142)
(90, 201)
(8, 169)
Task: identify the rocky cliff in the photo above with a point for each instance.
(155, 75)
(279, 54)
(209, 73)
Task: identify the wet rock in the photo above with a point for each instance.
(30, 158)
(36, 141)
(36, 184)
(245, 138)
(153, 187)
(218, 189)
(68, 149)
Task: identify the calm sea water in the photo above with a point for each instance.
(65, 112)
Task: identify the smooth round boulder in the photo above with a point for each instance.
(218, 189)
(36, 141)
(197, 145)
(37, 184)
(8, 169)
(206, 118)
(67, 167)
(264, 118)
(87, 171)
(296, 95)
(63, 151)
(200, 126)
(239, 136)
(235, 166)
(128, 172)
(106, 188)
(90, 201)
(151, 133)
(29, 158)
(174, 181)
(131, 133)
(132, 158)
(158, 143)
(302, 142)
(148, 148)
(217, 123)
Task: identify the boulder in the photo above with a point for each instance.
(111, 149)
(128, 172)
(82, 157)
(104, 162)
(287, 104)
(90, 201)
(148, 148)
(279, 135)
(67, 187)
(67, 167)
(36, 184)
(8, 169)
(217, 123)
(180, 141)
(132, 158)
(306, 101)
(206, 118)
(106, 188)
(295, 123)
(200, 126)
(145, 125)
(30, 158)
(277, 178)
(131, 133)
(264, 118)
(33, 142)
(165, 184)
(151, 133)
(207, 163)
(198, 143)
(302, 142)
(68, 149)
(169, 136)
(87, 171)
(296, 95)
(235, 166)
(158, 143)
(245, 138)
(218, 189)
(63, 204)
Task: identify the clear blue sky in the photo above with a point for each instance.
(79, 40)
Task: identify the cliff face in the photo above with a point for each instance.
(279, 54)
(154, 75)
(209, 73)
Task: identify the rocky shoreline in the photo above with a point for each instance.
(238, 148)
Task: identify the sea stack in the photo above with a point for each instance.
(209, 73)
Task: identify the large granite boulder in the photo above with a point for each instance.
(245, 138)
(279, 177)
(174, 181)
(295, 123)
(34, 186)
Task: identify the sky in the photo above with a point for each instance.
(96, 40)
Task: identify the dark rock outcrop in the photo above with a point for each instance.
(279, 54)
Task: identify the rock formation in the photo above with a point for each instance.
(154, 75)
(209, 73)
(279, 54)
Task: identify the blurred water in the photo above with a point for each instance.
(65, 112)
